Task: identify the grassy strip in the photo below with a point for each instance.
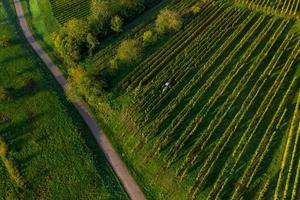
(58, 156)
(10, 165)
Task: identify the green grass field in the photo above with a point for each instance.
(54, 152)
(228, 128)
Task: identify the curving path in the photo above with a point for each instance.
(112, 156)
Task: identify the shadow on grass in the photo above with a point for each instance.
(100, 162)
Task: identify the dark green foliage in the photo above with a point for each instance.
(4, 41)
(72, 39)
(3, 94)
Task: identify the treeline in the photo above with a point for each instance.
(79, 37)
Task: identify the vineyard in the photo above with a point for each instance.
(65, 10)
(105, 54)
(210, 111)
(284, 7)
(232, 100)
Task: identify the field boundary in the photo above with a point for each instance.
(129, 184)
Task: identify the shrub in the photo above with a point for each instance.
(81, 85)
(71, 39)
(78, 83)
(196, 9)
(4, 41)
(129, 51)
(3, 148)
(14, 172)
(10, 164)
(114, 64)
(168, 21)
(149, 38)
(92, 42)
(3, 94)
(116, 24)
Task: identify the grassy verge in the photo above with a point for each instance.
(52, 147)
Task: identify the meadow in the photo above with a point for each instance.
(228, 125)
(47, 152)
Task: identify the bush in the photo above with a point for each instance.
(116, 24)
(4, 118)
(196, 9)
(114, 64)
(3, 94)
(168, 21)
(149, 38)
(3, 148)
(71, 39)
(13, 171)
(129, 51)
(4, 41)
(81, 85)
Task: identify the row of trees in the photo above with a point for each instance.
(107, 16)
(78, 37)
(130, 50)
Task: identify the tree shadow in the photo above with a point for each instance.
(16, 132)
(29, 88)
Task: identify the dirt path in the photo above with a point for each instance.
(112, 156)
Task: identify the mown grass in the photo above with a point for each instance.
(52, 148)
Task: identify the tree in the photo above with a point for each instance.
(149, 38)
(168, 21)
(101, 12)
(116, 24)
(71, 39)
(129, 51)
(80, 84)
(128, 8)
